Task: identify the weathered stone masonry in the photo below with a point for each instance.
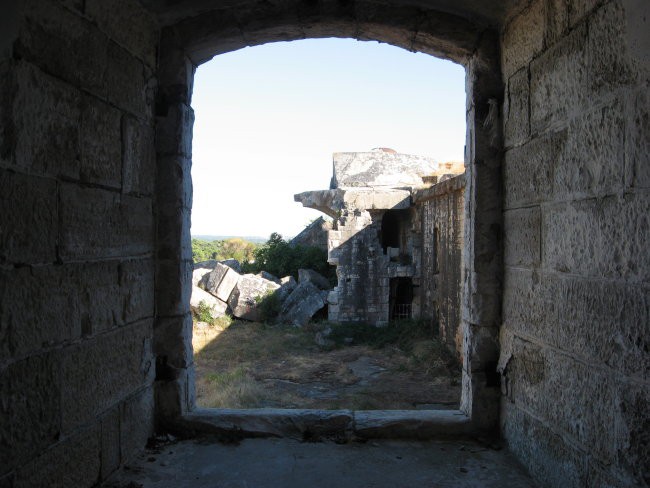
(396, 239)
(575, 334)
(441, 217)
(77, 86)
(94, 239)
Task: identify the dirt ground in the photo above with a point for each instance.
(254, 365)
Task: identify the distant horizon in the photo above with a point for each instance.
(223, 237)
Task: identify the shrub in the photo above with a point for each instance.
(279, 258)
(204, 313)
(269, 306)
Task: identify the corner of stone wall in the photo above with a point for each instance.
(482, 257)
(174, 387)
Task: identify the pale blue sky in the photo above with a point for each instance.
(269, 118)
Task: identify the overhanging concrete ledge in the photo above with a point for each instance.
(314, 424)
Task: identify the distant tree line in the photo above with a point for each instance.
(235, 248)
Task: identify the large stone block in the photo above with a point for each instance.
(516, 111)
(64, 44)
(130, 84)
(174, 182)
(523, 38)
(38, 308)
(201, 298)
(46, 116)
(610, 63)
(174, 131)
(528, 170)
(137, 286)
(557, 20)
(101, 152)
(173, 287)
(607, 315)
(605, 237)
(136, 423)
(98, 296)
(173, 341)
(138, 157)
(559, 81)
(100, 223)
(546, 454)
(110, 441)
(114, 365)
(637, 140)
(129, 24)
(632, 445)
(577, 398)
(390, 24)
(522, 237)
(28, 221)
(174, 239)
(592, 161)
(30, 411)
(579, 9)
(75, 461)
(247, 295)
(221, 281)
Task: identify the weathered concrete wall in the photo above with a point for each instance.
(442, 210)
(575, 335)
(76, 239)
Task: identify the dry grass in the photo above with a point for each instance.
(252, 365)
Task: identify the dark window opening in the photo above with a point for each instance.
(390, 230)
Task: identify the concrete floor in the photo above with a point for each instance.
(286, 463)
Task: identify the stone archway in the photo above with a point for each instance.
(190, 42)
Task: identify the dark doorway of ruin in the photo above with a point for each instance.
(401, 298)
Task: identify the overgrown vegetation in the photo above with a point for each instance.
(269, 306)
(235, 248)
(253, 365)
(204, 314)
(278, 257)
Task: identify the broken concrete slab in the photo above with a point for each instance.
(247, 294)
(315, 277)
(301, 305)
(220, 282)
(198, 274)
(288, 284)
(268, 276)
(217, 307)
(381, 168)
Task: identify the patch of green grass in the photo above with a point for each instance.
(416, 338)
(204, 313)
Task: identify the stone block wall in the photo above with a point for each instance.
(362, 270)
(575, 335)
(442, 210)
(77, 229)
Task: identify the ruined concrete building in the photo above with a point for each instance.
(397, 224)
(95, 191)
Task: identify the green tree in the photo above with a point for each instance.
(278, 257)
